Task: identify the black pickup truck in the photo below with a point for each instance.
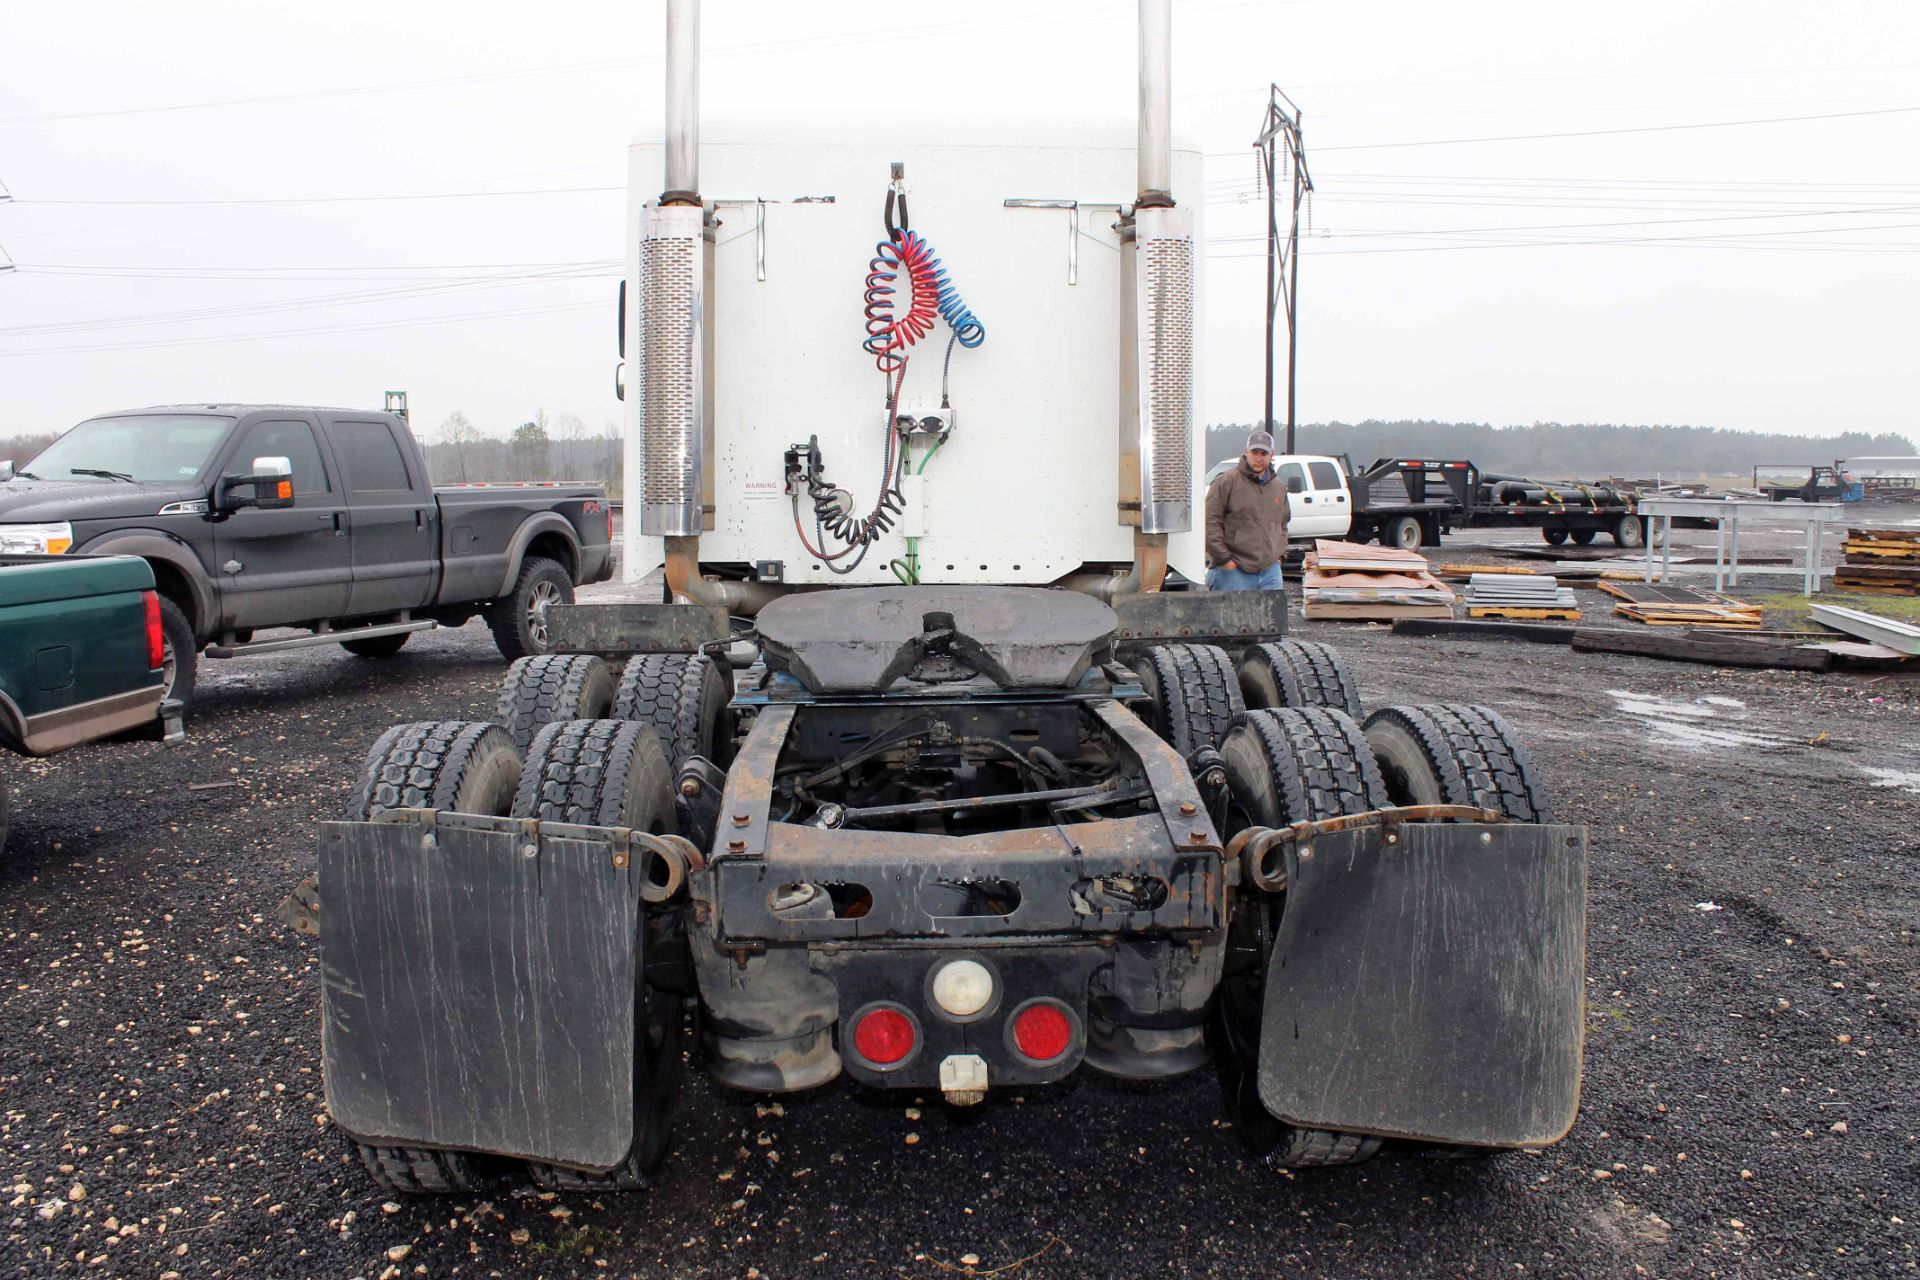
(264, 516)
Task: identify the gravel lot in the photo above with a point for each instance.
(1750, 1086)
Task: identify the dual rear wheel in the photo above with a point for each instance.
(1301, 764)
(599, 772)
(1295, 749)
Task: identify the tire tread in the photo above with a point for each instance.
(418, 1171)
(1200, 690)
(542, 688)
(670, 692)
(421, 765)
(1307, 674)
(1475, 755)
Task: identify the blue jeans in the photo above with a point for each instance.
(1268, 579)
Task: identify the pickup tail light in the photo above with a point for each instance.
(156, 635)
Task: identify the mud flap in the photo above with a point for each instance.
(479, 988)
(1432, 987)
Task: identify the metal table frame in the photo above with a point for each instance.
(1727, 515)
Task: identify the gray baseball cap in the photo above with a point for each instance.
(1260, 440)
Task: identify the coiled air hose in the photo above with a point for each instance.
(931, 294)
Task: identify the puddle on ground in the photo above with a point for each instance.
(1904, 779)
(1696, 724)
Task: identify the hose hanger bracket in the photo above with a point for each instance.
(897, 191)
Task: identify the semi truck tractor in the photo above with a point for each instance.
(1001, 797)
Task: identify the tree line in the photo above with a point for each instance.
(1575, 450)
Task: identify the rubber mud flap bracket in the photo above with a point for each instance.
(1432, 987)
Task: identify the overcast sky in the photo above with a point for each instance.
(203, 194)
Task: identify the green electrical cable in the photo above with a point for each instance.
(907, 568)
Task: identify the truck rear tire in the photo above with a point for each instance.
(519, 619)
(1455, 754)
(1404, 532)
(552, 686)
(418, 1171)
(180, 652)
(461, 766)
(1553, 537)
(1583, 537)
(614, 773)
(377, 646)
(1630, 532)
(1283, 766)
(1297, 673)
(1193, 691)
(684, 696)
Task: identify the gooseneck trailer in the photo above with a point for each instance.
(995, 803)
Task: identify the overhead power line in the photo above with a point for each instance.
(275, 306)
(1595, 133)
(256, 336)
(1735, 239)
(310, 274)
(1643, 222)
(419, 195)
(883, 34)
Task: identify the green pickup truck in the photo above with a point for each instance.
(81, 654)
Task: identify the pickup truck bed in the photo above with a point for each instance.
(79, 652)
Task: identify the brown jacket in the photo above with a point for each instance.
(1246, 519)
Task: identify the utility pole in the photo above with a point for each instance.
(1279, 129)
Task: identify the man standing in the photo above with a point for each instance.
(1247, 516)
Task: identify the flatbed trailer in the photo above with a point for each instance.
(1411, 502)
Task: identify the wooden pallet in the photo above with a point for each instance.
(1658, 595)
(1521, 614)
(1872, 587)
(1690, 615)
(1882, 550)
(1881, 572)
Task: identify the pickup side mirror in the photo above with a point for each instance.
(1296, 485)
(6, 469)
(270, 487)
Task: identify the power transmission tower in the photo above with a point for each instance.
(1280, 150)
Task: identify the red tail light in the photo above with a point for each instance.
(609, 521)
(1043, 1031)
(156, 636)
(883, 1036)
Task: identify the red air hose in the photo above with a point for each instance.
(889, 337)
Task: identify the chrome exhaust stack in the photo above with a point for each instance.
(1156, 325)
(676, 325)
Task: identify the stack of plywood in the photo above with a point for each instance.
(1348, 580)
(1661, 605)
(1883, 562)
